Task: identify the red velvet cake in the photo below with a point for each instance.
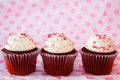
(58, 55)
(20, 54)
(98, 55)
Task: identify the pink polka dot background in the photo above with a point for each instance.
(78, 19)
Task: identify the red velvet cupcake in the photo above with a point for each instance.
(58, 55)
(98, 55)
(20, 54)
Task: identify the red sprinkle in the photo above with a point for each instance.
(105, 35)
(50, 35)
(94, 46)
(11, 34)
(53, 44)
(103, 48)
(101, 36)
(109, 46)
(94, 42)
(18, 46)
(65, 38)
(45, 46)
(23, 34)
(58, 35)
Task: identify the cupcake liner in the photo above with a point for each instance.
(21, 64)
(58, 65)
(98, 64)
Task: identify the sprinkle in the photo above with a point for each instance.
(45, 46)
(109, 46)
(15, 39)
(103, 48)
(104, 35)
(94, 46)
(50, 35)
(23, 34)
(100, 36)
(18, 46)
(11, 34)
(53, 44)
(70, 44)
(94, 42)
(65, 38)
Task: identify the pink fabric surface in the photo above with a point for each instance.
(78, 19)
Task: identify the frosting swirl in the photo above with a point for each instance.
(58, 43)
(19, 42)
(100, 43)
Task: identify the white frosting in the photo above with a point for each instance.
(100, 43)
(19, 42)
(58, 43)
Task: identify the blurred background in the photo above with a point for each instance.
(78, 19)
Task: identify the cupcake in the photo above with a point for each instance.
(20, 54)
(98, 54)
(58, 54)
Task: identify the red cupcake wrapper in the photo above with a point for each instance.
(98, 64)
(21, 64)
(58, 65)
